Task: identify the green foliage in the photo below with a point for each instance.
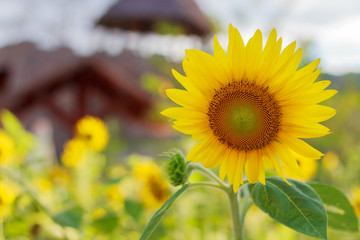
(194, 216)
(162, 27)
(15, 228)
(107, 223)
(112, 181)
(151, 82)
(339, 210)
(70, 218)
(133, 208)
(155, 220)
(297, 206)
(23, 139)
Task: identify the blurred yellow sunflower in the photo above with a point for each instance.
(98, 213)
(59, 176)
(115, 193)
(154, 186)
(73, 153)
(356, 200)
(330, 161)
(8, 193)
(93, 132)
(250, 107)
(7, 147)
(42, 185)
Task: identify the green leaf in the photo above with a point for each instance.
(107, 223)
(155, 220)
(70, 218)
(297, 206)
(133, 208)
(339, 210)
(112, 181)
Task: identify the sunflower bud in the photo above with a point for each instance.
(176, 168)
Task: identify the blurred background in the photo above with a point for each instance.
(61, 60)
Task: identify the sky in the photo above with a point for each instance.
(331, 27)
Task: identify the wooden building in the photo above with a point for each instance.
(145, 15)
(64, 87)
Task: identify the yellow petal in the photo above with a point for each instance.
(236, 53)
(252, 166)
(284, 57)
(261, 172)
(187, 84)
(221, 57)
(285, 156)
(224, 164)
(215, 70)
(271, 156)
(281, 78)
(200, 62)
(233, 159)
(183, 113)
(185, 98)
(200, 136)
(198, 149)
(304, 129)
(197, 130)
(239, 173)
(253, 54)
(308, 68)
(316, 113)
(270, 55)
(324, 95)
(267, 163)
(300, 147)
(302, 73)
(198, 80)
(215, 156)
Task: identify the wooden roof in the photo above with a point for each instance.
(30, 71)
(143, 15)
(68, 87)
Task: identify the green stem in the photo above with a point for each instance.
(208, 184)
(245, 202)
(208, 173)
(235, 215)
(239, 203)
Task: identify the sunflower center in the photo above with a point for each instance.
(157, 189)
(242, 119)
(244, 116)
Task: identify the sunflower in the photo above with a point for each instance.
(356, 200)
(7, 147)
(59, 176)
(74, 152)
(93, 132)
(250, 107)
(330, 161)
(154, 188)
(8, 193)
